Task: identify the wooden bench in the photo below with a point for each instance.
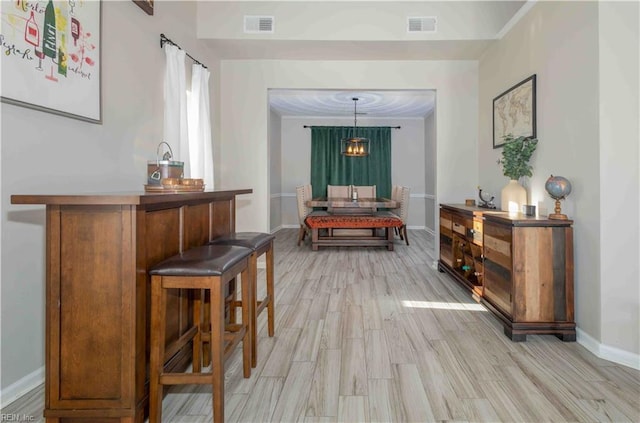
(379, 220)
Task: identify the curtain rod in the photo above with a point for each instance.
(311, 126)
(164, 39)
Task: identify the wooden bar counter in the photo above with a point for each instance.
(98, 250)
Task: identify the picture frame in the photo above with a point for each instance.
(146, 5)
(52, 58)
(514, 112)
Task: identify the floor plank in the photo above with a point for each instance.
(323, 399)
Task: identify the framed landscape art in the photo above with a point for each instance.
(51, 57)
(514, 112)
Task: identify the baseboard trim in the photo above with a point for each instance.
(276, 229)
(422, 228)
(21, 387)
(607, 352)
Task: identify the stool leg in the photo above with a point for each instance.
(270, 291)
(157, 335)
(251, 304)
(206, 310)
(197, 339)
(247, 316)
(217, 349)
(234, 301)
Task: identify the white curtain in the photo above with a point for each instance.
(200, 150)
(175, 105)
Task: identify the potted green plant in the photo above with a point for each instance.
(516, 153)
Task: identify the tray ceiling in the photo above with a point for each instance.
(339, 103)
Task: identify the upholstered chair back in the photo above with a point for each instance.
(404, 204)
(303, 193)
(396, 190)
(338, 191)
(365, 191)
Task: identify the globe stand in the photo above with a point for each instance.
(557, 215)
(558, 188)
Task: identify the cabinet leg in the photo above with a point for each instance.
(515, 337)
(566, 337)
(440, 269)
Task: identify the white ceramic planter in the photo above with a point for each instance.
(513, 197)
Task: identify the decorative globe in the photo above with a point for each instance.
(558, 187)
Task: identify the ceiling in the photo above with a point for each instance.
(329, 103)
(468, 29)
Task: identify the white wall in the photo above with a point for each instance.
(45, 153)
(275, 171)
(245, 85)
(619, 41)
(295, 161)
(408, 165)
(407, 160)
(431, 140)
(559, 42)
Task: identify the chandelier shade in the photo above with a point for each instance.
(354, 146)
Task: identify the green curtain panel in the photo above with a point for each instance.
(329, 167)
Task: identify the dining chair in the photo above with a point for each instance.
(303, 193)
(396, 193)
(338, 191)
(365, 191)
(403, 211)
(396, 190)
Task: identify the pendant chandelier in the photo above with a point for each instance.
(355, 146)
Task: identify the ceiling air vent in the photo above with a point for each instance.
(258, 24)
(422, 24)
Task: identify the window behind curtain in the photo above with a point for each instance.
(329, 167)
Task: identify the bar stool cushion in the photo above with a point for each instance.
(253, 240)
(207, 260)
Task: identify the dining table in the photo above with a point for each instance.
(344, 205)
(352, 223)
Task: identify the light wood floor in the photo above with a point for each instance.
(368, 335)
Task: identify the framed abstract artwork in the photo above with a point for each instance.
(514, 112)
(146, 5)
(51, 57)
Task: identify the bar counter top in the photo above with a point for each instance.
(122, 198)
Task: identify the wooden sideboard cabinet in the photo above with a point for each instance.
(524, 272)
(98, 251)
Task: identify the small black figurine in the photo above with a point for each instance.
(485, 204)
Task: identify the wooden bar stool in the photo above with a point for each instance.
(260, 243)
(210, 267)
